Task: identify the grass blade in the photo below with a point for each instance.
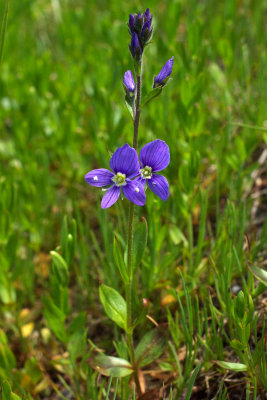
(3, 32)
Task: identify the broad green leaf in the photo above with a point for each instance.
(111, 366)
(259, 273)
(232, 366)
(151, 95)
(119, 261)
(139, 242)
(114, 305)
(60, 268)
(150, 347)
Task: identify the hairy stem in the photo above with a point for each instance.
(129, 286)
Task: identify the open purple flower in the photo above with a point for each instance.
(128, 82)
(124, 165)
(162, 78)
(154, 157)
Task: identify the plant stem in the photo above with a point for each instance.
(129, 286)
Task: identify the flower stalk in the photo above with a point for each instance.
(129, 286)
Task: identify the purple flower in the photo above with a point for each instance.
(154, 157)
(124, 165)
(128, 82)
(164, 75)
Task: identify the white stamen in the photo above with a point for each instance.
(95, 178)
(154, 183)
(137, 189)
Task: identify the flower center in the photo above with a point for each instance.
(119, 179)
(146, 173)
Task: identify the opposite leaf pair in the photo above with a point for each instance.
(124, 164)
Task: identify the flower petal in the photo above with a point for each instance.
(111, 197)
(99, 177)
(134, 192)
(159, 185)
(156, 155)
(125, 160)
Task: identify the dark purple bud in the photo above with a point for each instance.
(139, 22)
(164, 75)
(146, 32)
(128, 82)
(131, 22)
(135, 47)
(147, 15)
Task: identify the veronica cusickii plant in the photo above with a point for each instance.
(131, 176)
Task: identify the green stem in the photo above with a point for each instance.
(129, 286)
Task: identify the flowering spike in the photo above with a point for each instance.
(162, 78)
(140, 27)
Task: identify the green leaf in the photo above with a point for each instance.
(129, 105)
(3, 31)
(111, 366)
(55, 318)
(139, 242)
(7, 358)
(151, 95)
(192, 381)
(6, 391)
(239, 306)
(232, 366)
(60, 268)
(237, 345)
(150, 347)
(114, 305)
(119, 261)
(7, 394)
(259, 273)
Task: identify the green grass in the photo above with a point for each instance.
(61, 111)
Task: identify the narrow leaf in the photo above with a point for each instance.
(139, 243)
(114, 305)
(151, 95)
(3, 31)
(60, 268)
(192, 381)
(129, 105)
(119, 261)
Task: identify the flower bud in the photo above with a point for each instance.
(135, 47)
(128, 83)
(162, 78)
